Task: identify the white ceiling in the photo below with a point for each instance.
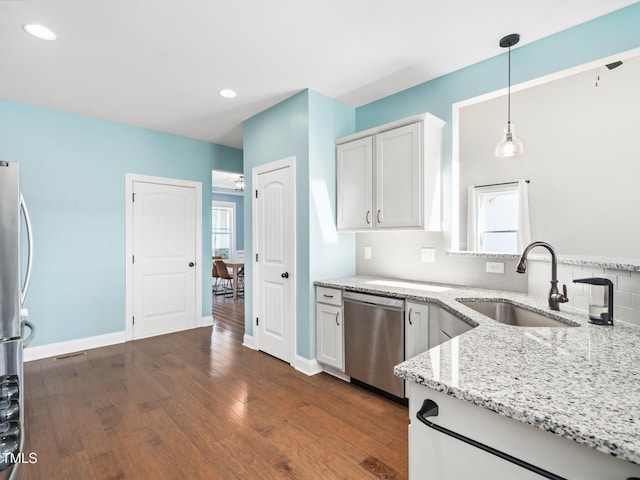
(159, 64)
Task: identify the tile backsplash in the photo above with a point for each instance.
(399, 255)
(626, 287)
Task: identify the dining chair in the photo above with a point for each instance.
(241, 282)
(214, 274)
(225, 278)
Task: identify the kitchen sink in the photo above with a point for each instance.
(511, 314)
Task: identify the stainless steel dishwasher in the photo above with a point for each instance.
(374, 340)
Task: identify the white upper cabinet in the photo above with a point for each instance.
(398, 172)
(389, 177)
(355, 184)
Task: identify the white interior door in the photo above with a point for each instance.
(274, 219)
(164, 257)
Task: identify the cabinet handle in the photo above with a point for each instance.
(327, 296)
(368, 217)
(410, 322)
(337, 315)
(378, 216)
(430, 409)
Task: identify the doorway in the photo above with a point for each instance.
(274, 276)
(163, 255)
(227, 240)
(227, 214)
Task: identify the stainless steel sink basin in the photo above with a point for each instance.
(510, 314)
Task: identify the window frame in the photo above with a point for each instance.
(216, 204)
(511, 188)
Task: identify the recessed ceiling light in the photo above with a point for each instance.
(227, 93)
(39, 31)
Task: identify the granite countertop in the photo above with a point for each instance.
(582, 382)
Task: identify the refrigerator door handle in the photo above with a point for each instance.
(32, 328)
(27, 222)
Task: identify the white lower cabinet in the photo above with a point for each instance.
(434, 455)
(329, 328)
(416, 329)
(427, 326)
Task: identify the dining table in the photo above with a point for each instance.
(235, 264)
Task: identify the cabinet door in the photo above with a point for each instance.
(435, 455)
(355, 184)
(329, 328)
(398, 178)
(416, 329)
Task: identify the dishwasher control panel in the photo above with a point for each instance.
(373, 299)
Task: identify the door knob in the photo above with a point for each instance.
(285, 275)
(191, 264)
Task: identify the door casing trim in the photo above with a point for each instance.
(130, 178)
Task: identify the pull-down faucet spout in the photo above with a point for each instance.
(555, 297)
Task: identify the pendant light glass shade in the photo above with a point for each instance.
(510, 145)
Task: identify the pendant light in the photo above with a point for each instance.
(510, 145)
(240, 184)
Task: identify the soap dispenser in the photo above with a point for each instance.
(600, 300)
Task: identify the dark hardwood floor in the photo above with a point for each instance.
(198, 405)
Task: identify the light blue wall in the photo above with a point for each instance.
(279, 132)
(306, 124)
(607, 35)
(332, 255)
(604, 36)
(303, 126)
(238, 200)
(73, 170)
(73, 177)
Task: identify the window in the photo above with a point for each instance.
(498, 218)
(222, 229)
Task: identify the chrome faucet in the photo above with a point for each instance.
(555, 297)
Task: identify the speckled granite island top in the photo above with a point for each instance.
(582, 383)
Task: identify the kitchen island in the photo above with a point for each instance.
(579, 385)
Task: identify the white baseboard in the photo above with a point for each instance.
(306, 366)
(80, 344)
(249, 342)
(72, 346)
(206, 321)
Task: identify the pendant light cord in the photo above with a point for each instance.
(509, 91)
(509, 145)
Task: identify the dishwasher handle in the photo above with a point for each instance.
(430, 409)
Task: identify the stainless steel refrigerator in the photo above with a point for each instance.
(13, 289)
